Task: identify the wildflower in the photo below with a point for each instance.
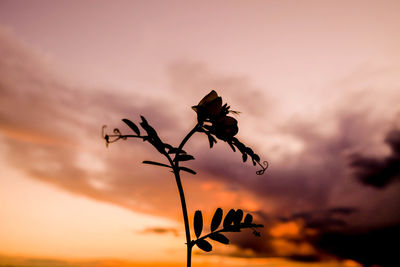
(225, 128)
(209, 107)
(211, 110)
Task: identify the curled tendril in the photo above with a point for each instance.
(111, 138)
(264, 167)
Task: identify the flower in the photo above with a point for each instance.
(211, 110)
(226, 128)
(209, 107)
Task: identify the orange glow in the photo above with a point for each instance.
(32, 137)
(285, 248)
(287, 229)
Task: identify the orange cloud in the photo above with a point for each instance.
(286, 229)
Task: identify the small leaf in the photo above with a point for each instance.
(249, 151)
(132, 126)
(204, 245)
(211, 140)
(231, 145)
(184, 157)
(198, 223)
(256, 157)
(187, 170)
(238, 217)
(175, 150)
(216, 220)
(239, 145)
(156, 163)
(229, 218)
(248, 219)
(150, 130)
(220, 238)
(244, 157)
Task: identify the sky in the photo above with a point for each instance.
(317, 87)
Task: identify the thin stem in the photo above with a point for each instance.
(184, 209)
(182, 144)
(175, 164)
(185, 216)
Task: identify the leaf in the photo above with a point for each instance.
(244, 157)
(256, 157)
(249, 151)
(238, 217)
(216, 220)
(204, 245)
(132, 126)
(198, 223)
(156, 163)
(152, 136)
(231, 145)
(248, 219)
(211, 140)
(150, 130)
(229, 218)
(175, 150)
(187, 170)
(220, 238)
(184, 157)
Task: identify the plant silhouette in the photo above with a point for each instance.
(214, 122)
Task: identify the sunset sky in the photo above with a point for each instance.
(318, 89)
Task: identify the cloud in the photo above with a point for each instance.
(51, 130)
(322, 236)
(161, 230)
(371, 247)
(189, 79)
(379, 172)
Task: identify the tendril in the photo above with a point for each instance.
(111, 138)
(264, 167)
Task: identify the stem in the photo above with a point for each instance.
(185, 217)
(184, 141)
(175, 164)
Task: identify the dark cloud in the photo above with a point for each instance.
(379, 172)
(307, 190)
(329, 236)
(372, 247)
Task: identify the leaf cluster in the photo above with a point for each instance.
(234, 143)
(233, 222)
(152, 137)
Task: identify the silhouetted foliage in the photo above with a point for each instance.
(232, 223)
(214, 122)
